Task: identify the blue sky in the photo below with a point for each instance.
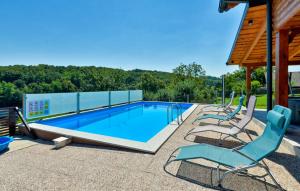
(127, 34)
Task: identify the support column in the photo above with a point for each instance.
(281, 62)
(248, 81)
(269, 54)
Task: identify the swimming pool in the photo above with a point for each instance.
(141, 125)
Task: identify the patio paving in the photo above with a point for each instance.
(37, 166)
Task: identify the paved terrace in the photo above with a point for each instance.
(36, 166)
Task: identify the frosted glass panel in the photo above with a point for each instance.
(39, 105)
(136, 95)
(90, 100)
(118, 97)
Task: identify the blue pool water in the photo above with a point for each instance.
(137, 121)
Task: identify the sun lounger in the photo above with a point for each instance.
(239, 159)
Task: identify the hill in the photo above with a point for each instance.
(18, 79)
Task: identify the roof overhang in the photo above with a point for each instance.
(249, 47)
(225, 5)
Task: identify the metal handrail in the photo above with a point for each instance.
(28, 129)
(168, 115)
(178, 110)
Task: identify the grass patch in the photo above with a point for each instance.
(261, 101)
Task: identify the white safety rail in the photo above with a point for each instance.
(41, 105)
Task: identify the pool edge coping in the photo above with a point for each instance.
(150, 146)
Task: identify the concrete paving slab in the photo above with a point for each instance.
(35, 165)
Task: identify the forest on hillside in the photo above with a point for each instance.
(186, 82)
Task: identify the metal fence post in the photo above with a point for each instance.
(223, 89)
(109, 98)
(128, 96)
(78, 102)
(24, 106)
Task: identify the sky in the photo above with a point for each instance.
(127, 34)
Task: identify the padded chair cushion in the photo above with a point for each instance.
(275, 118)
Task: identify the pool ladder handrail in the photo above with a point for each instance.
(179, 112)
(28, 130)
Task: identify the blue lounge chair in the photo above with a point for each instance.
(225, 108)
(239, 159)
(234, 130)
(4, 142)
(222, 118)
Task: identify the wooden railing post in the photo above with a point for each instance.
(281, 62)
(12, 121)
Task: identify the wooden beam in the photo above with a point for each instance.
(281, 62)
(257, 38)
(259, 64)
(293, 33)
(256, 64)
(283, 15)
(294, 52)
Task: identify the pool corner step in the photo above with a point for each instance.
(61, 142)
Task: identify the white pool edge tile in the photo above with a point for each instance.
(150, 146)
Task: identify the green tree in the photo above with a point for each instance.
(9, 94)
(259, 75)
(254, 86)
(192, 70)
(150, 83)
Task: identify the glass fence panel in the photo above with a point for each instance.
(136, 95)
(90, 100)
(118, 97)
(39, 105)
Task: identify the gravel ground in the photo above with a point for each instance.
(37, 166)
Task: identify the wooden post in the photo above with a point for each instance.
(281, 62)
(269, 54)
(12, 121)
(248, 81)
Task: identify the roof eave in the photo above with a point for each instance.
(229, 61)
(225, 5)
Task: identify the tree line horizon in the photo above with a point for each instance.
(187, 82)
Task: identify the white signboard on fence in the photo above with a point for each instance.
(39, 105)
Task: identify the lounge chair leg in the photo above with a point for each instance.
(228, 172)
(199, 112)
(194, 121)
(220, 139)
(246, 131)
(170, 161)
(272, 177)
(188, 134)
(218, 172)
